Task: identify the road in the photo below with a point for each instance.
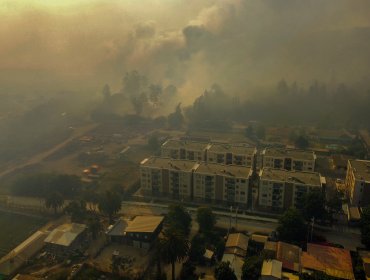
(77, 133)
(348, 237)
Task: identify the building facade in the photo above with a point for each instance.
(167, 176)
(282, 189)
(288, 159)
(358, 182)
(184, 150)
(221, 183)
(235, 154)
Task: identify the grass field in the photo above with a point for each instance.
(15, 228)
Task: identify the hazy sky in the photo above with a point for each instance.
(77, 44)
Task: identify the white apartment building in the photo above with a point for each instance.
(284, 189)
(235, 154)
(227, 183)
(358, 182)
(184, 149)
(288, 159)
(167, 177)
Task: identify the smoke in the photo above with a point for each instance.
(239, 44)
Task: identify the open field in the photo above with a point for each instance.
(15, 228)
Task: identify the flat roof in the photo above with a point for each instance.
(292, 153)
(185, 144)
(167, 163)
(65, 234)
(234, 148)
(224, 170)
(330, 260)
(144, 224)
(297, 177)
(361, 169)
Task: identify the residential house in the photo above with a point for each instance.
(271, 270)
(358, 182)
(290, 256)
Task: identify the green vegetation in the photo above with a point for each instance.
(223, 271)
(179, 219)
(54, 200)
(109, 204)
(292, 227)
(206, 219)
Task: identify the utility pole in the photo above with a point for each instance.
(236, 217)
(312, 224)
(231, 213)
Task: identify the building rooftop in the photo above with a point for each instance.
(290, 153)
(297, 177)
(167, 163)
(361, 169)
(236, 263)
(259, 238)
(237, 244)
(289, 255)
(224, 170)
(239, 149)
(65, 234)
(333, 261)
(272, 268)
(144, 224)
(185, 144)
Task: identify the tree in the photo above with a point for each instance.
(55, 201)
(261, 132)
(188, 271)
(197, 248)
(223, 271)
(334, 204)
(174, 247)
(110, 204)
(178, 218)
(176, 119)
(206, 219)
(153, 142)
(252, 268)
(301, 142)
(95, 227)
(249, 131)
(365, 226)
(292, 227)
(77, 210)
(314, 205)
(121, 264)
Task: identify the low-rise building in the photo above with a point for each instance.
(288, 159)
(358, 182)
(332, 261)
(290, 256)
(271, 270)
(222, 183)
(236, 154)
(66, 237)
(141, 232)
(184, 149)
(167, 177)
(281, 189)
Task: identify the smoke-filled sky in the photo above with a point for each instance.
(239, 44)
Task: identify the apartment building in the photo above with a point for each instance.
(288, 159)
(167, 176)
(358, 182)
(236, 154)
(216, 182)
(184, 149)
(281, 189)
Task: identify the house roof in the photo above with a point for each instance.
(289, 255)
(361, 169)
(208, 254)
(289, 153)
(259, 238)
(170, 164)
(185, 144)
(295, 177)
(238, 240)
(65, 234)
(271, 246)
(333, 261)
(239, 149)
(272, 268)
(144, 224)
(235, 171)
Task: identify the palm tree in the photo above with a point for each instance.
(54, 200)
(95, 227)
(174, 247)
